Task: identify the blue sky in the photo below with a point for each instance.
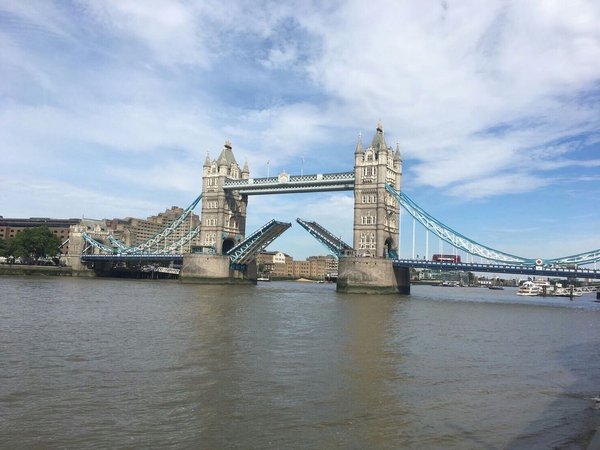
(108, 109)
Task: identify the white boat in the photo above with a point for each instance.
(567, 292)
(529, 288)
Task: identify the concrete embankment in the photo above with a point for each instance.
(19, 269)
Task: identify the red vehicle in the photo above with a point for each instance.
(446, 258)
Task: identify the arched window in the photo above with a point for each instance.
(372, 241)
(363, 241)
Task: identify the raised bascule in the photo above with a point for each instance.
(218, 251)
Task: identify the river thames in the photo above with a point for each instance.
(104, 363)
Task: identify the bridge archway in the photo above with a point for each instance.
(227, 245)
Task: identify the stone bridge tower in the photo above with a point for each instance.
(223, 219)
(376, 212)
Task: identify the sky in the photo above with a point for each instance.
(109, 108)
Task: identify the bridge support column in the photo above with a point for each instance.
(357, 275)
(215, 269)
(79, 269)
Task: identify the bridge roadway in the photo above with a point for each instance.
(500, 268)
(148, 257)
(288, 184)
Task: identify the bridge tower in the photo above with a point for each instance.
(223, 213)
(376, 212)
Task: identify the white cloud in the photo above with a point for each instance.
(513, 183)
(281, 57)
(49, 197)
(171, 30)
(445, 76)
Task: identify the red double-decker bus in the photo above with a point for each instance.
(446, 258)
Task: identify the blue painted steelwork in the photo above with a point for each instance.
(178, 244)
(163, 234)
(500, 268)
(120, 248)
(123, 250)
(452, 237)
(247, 250)
(288, 184)
(118, 244)
(582, 258)
(334, 244)
(97, 244)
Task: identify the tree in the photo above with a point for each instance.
(34, 243)
(472, 278)
(3, 247)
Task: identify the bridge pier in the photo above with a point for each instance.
(359, 275)
(79, 268)
(215, 269)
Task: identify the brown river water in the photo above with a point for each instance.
(101, 363)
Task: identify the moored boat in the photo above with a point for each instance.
(529, 289)
(568, 291)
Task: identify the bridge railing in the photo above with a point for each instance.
(526, 269)
(325, 178)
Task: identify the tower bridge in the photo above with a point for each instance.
(370, 264)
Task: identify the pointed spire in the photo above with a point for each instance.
(207, 160)
(397, 152)
(246, 169)
(378, 142)
(359, 147)
(226, 157)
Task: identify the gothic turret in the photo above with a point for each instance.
(359, 147)
(378, 142)
(226, 157)
(376, 215)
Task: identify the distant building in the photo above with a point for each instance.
(282, 265)
(10, 227)
(323, 266)
(277, 264)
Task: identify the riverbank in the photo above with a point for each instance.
(21, 269)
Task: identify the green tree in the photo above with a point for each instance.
(472, 278)
(34, 243)
(3, 247)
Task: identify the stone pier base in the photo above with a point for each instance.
(78, 268)
(372, 276)
(214, 269)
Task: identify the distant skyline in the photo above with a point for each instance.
(109, 108)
